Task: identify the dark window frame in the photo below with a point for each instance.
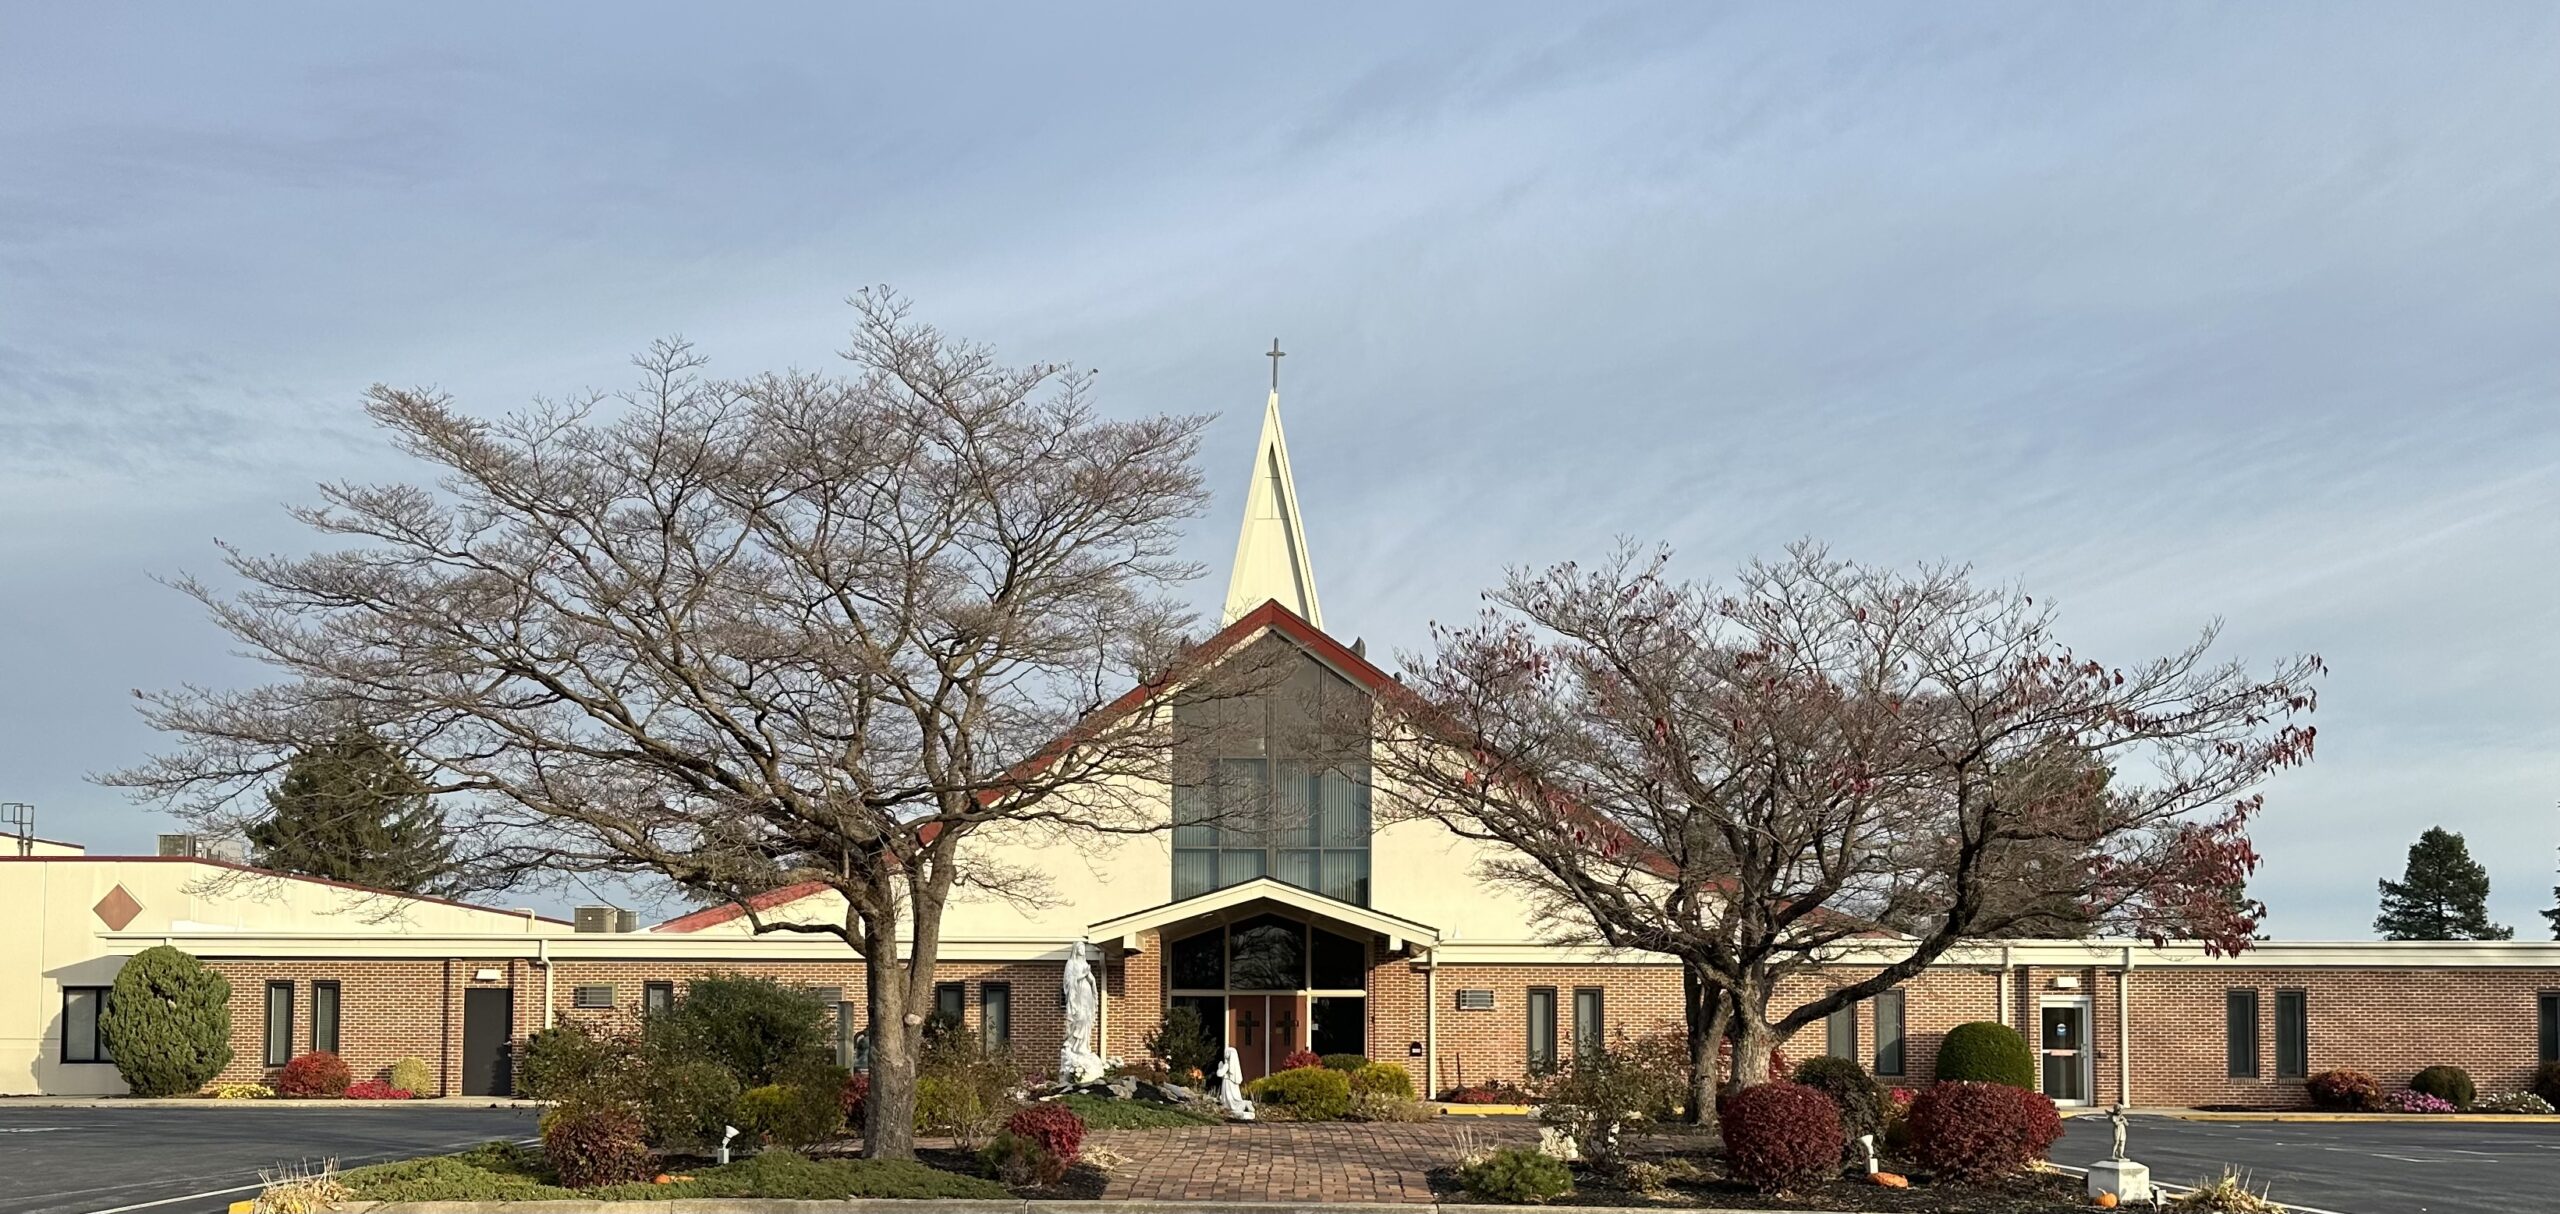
(278, 1052)
(1842, 1022)
(1889, 1045)
(657, 998)
(2293, 1033)
(337, 1014)
(987, 1036)
(1540, 1059)
(2240, 1048)
(1595, 1035)
(2546, 1007)
(956, 1015)
(97, 1037)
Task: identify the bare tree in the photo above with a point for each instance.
(740, 635)
(1749, 781)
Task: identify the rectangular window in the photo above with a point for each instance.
(1590, 1021)
(2240, 1032)
(1840, 1033)
(995, 1016)
(852, 1052)
(2293, 1035)
(81, 1006)
(324, 1016)
(279, 1023)
(950, 999)
(1542, 1027)
(657, 998)
(1475, 1001)
(592, 997)
(2548, 1039)
(1888, 1032)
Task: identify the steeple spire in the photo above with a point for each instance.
(1271, 551)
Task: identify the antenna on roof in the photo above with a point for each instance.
(18, 824)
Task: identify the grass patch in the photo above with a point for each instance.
(506, 1172)
(1104, 1113)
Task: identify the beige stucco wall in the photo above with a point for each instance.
(52, 941)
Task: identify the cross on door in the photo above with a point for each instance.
(1245, 1024)
(1283, 1026)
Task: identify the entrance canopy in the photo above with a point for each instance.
(1236, 901)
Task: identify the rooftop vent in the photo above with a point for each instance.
(607, 919)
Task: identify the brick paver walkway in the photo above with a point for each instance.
(1276, 1161)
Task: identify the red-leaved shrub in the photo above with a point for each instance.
(318, 1073)
(596, 1144)
(1300, 1060)
(1492, 1091)
(1981, 1131)
(1778, 1134)
(1057, 1133)
(2347, 1091)
(377, 1089)
(854, 1096)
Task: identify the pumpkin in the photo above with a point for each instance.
(2106, 1201)
(662, 1178)
(1891, 1180)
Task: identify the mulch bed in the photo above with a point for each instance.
(2034, 1193)
(1083, 1182)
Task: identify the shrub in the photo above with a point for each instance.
(1375, 1106)
(1599, 1091)
(790, 1114)
(2349, 1091)
(1345, 1062)
(1491, 1091)
(588, 1145)
(1381, 1079)
(2228, 1193)
(1984, 1051)
(759, 1029)
(962, 1089)
(167, 1022)
(1039, 1143)
(2546, 1082)
(1105, 1113)
(241, 1091)
(2450, 1084)
(1861, 1101)
(2514, 1102)
(2411, 1100)
(1299, 1060)
(378, 1089)
(685, 1104)
(1516, 1174)
(316, 1074)
(569, 1062)
(1182, 1043)
(414, 1075)
(855, 1098)
(1780, 1134)
(1307, 1093)
(1979, 1131)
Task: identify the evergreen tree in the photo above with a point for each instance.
(167, 1022)
(2443, 895)
(352, 810)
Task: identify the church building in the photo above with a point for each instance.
(1327, 928)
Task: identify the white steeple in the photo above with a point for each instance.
(1271, 551)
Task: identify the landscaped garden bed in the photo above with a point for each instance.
(1702, 1181)
(505, 1172)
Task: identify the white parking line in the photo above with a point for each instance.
(145, 1205)
(2163, 1186)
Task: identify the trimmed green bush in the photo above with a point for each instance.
(1516, 1174)
(2450, 1084)
(1309, 1093)
(763, 1031)
(167, 1023)
(1347, 1063)
(414, 1075)
(569, 1061)
(1986, 1052)
(790, 1114)
(1861, 1101)
(1382, 1079)
(685, 1104)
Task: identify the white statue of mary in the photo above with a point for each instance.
(1077, 1063)
(1231, 1086)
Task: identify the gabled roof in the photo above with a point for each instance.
(1265, 889)
(1269, 616)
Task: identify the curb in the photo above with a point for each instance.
(1485, 1110)
(208, 1103)
(2310, 1118)
(727, 1205)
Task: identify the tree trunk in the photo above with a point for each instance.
(1707, 1014)
(889, 1116)
(1753, 1041)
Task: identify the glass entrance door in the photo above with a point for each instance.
(2063, 1040)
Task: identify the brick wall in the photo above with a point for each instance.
(387, 1011)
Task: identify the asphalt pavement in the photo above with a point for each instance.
(2451, 1166)
(164, 1160)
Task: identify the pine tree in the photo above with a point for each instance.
(2443, 894)
(351, 810)
(167, 1022)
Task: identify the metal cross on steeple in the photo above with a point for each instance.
(1275, 356)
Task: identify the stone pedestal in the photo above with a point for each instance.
(2129, 1181)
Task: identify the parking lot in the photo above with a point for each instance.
(160, 1160)
(2349, 1167)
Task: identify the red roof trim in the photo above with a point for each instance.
(281, 876)
(1270, 615)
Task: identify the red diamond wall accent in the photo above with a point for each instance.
(117, 909)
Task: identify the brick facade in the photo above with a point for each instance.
(2387, 1021)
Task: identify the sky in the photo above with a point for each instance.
(2168, 313)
